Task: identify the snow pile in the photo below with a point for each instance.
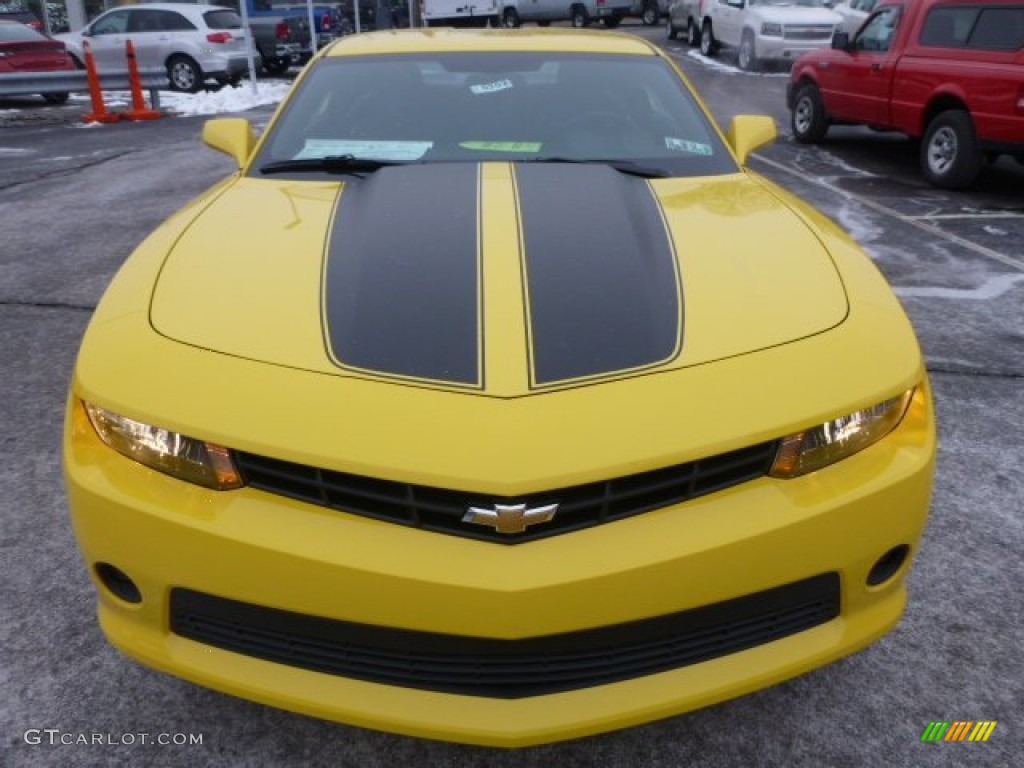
(225, 99)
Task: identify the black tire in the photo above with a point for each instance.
(276, 66)
(56, 98)
(612, 22)
(649, 15)
(692, 34)
(579, 18)
(747, 57)
(670, 31)
(184, 74)
(808, 118)
(708, 46)
(511, 19)
(950, 157)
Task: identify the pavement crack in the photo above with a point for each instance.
(48, 305)
(973, 372)
(57, 173)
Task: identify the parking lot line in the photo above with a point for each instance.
(913, 221)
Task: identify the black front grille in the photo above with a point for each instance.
(438, 509)
(507, 669)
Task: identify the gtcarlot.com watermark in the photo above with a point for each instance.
(55, 737)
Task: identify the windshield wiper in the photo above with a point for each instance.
(329, 164)
(622, 166)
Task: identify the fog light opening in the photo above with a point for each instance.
(118, 583)
(887, 565)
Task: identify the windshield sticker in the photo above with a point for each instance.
(502, 146)
(377, 150)
(692, 147)
(499, 85)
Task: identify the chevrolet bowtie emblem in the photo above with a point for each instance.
(510, 518)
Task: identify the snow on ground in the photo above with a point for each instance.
(239, 99)
(721, 66)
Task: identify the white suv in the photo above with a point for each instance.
(192, 42)
(766, 29)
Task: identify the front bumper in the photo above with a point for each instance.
(270, 551)
(783, 49)
(227, 66)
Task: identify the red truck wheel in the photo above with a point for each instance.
(949, 151)
(808, 118)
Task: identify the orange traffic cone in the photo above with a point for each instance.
(99, 112)
(139, 110)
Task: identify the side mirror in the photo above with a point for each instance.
(232, 136)
(841, 41)
(748, 132)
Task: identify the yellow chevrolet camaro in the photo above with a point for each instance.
(493, 400)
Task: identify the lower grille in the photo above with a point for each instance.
(507, 669)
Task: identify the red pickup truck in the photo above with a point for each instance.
(948, 72)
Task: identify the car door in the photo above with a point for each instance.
(106, 39)
(178, 34)
(144, 30)
(728, 21)
(860, 83)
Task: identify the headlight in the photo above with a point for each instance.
(835, 440)
(174, 454)
(771, 30)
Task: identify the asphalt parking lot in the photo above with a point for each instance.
(75, 201)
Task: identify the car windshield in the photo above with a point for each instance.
(11, 31)
(632, 111)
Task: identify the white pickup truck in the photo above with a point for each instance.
(460, 13)
(579, 13)
(766, 30)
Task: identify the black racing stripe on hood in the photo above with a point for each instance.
(601, 277)
(402, 279)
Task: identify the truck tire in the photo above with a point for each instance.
(670, 30)
(747, 58)
(808, 118)
(579, 17)
(692, 33)
(511, 19)
(611, 22)
(949, 152)
(276, 65)
(708, 46)
(184, 74)
(649, 15)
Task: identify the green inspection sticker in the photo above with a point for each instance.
(692, 147)
(502, 146)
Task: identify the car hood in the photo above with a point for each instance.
(498, 279)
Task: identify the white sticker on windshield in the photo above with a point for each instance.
(692, 147)
(499, 85)
(402, 151)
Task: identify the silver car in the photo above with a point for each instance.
(684, 18)
(194, 43)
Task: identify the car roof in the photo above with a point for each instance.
(434, 40)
